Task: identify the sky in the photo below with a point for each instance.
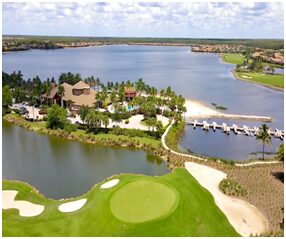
(152, 19)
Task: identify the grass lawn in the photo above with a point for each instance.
(233, 58)
(264, 79)
(170, 205)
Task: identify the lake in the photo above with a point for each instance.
(196, 76)
(61, 168)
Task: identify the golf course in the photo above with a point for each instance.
(136, 205)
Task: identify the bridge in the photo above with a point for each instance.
(245, 130)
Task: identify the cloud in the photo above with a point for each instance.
(187, 19)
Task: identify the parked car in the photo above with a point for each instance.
(23, 110)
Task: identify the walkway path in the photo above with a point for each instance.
(163, 141)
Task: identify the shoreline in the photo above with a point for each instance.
(131, 144)
(105, 44)
(196, 110)
(234, 73)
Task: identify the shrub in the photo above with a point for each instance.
(127, 121)
(232, 188)
(57, 117)
(70, 128)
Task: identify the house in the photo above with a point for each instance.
(74, 96)
(129, 93)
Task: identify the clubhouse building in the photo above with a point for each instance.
(74, 96)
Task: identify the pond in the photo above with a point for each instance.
(61, 168)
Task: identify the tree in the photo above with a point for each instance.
(19, 95)
(61, 93)
(93, 120)
(57, 117)
(140, 86)
(116, 117)
(263, 136)
(105, 120)
(113, 96)
(149, 109)
(272, 69)
(83, 112)
(97, 83)
(7, 98)
(280, 153)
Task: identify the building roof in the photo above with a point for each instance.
(81, 85)
(78, 99)
(129, 89)
(52, 94)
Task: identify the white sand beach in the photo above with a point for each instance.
(197, 109)
(244, 217)
(26, 209)
(72, 206)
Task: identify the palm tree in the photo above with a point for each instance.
(83, 112)
(280, 153)
(263, 136)
(113, 96)
(105, 120)
(61, 93)
(97, 82)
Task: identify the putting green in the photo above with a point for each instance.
(143, 200)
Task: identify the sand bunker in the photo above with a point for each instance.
(245, 218)
(110, 183)
(26, 209)
(72, 206)
(246, 77)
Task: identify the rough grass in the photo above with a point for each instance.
(195, 215)
(265, 189)
(233, 58)
(264, 185)
(263, 79)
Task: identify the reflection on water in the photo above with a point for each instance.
(59, 168)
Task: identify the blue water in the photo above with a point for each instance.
(196, 76)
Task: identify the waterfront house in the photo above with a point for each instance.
(129, 93)
(74, 96)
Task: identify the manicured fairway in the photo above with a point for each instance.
(233, 58)
(264, 79)
(187, 210)
(147, 200)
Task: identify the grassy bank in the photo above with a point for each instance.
(146, 143)
(233, 58)
(272, 81)
(194, 213)
(174, 134)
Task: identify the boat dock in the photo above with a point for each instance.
(245, 130)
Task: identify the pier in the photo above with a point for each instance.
(245, 130)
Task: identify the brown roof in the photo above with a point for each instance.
(81, 85)
(78, 99)
(52, 94)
